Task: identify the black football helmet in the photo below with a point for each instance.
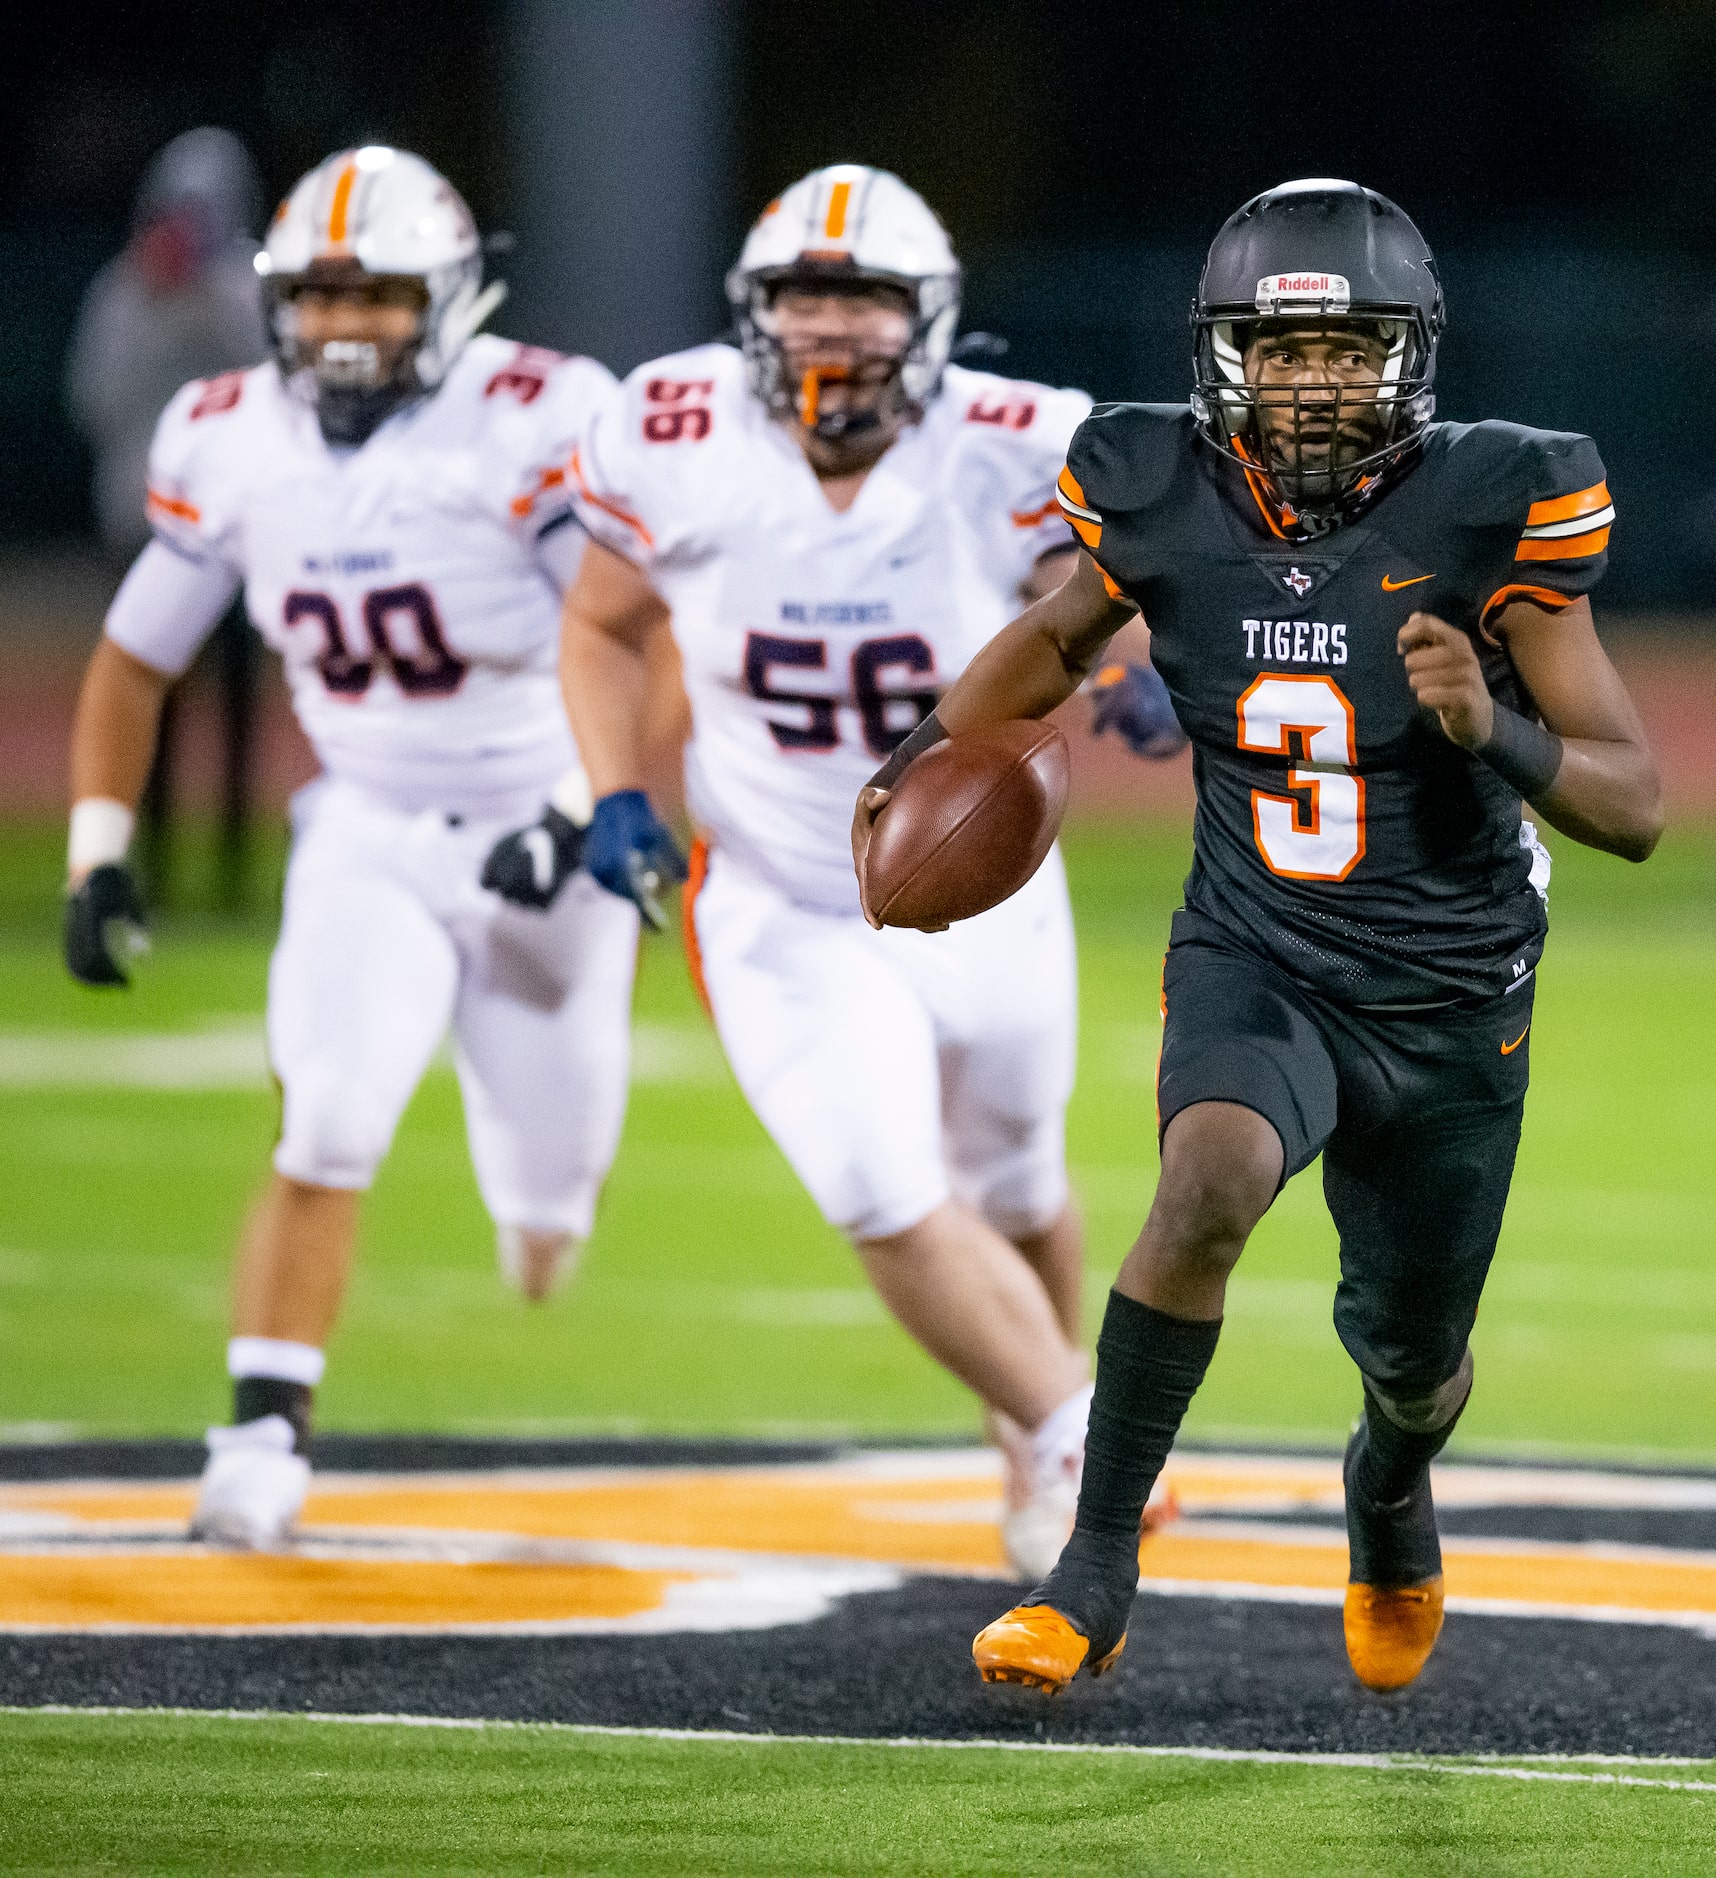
(1317, 253)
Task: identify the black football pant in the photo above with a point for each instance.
(1416, 1114)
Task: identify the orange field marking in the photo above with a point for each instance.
(75, 1560)
(236, 1590)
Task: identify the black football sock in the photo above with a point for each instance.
(1391, 1516)
(1148, 1368)
(256, 1396)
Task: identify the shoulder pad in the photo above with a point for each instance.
(1531, 507)
(1498, 472)
(674, 399)
(198, 452)
(1011, 406)
(1126, 456)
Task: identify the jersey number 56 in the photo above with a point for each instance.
(1317, 833)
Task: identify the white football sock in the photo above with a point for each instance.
(276, 1358)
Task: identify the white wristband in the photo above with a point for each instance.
(572, 797)
(100, 833)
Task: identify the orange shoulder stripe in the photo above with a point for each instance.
(173, 505)
(1566, 508)
(1029, 518)
(608, 508)
(1086, 523)
(1563, 547)
(546, 479)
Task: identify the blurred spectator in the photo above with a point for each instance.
(181, 301)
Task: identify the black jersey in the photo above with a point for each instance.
(1339, 833)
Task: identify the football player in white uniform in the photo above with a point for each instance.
(390, 495)
(837, 519)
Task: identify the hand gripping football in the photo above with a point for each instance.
(967, 825)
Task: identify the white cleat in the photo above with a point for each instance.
(536, 1263)
(253, 1486)
(1035, 1533)
(1042, 1474)
(1042, 1479)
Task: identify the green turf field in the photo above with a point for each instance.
(147, 1794)
(714, 1300)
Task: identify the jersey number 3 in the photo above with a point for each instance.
(1317, 833)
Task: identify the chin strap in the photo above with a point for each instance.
(351, 415)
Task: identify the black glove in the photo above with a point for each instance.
(531, 865)
(104, 923)
(1132, 701)
(632, 854)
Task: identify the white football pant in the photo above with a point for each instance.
(896, 1070)
(387, 941)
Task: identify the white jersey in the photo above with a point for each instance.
(411, 585)
(812, 641)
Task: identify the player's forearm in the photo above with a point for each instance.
(1038, 662)
(115, 727)
(605, 682)
(1607, 795)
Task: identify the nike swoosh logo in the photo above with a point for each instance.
(1508, 1049)
(1394, 586)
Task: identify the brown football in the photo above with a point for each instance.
(967, 824)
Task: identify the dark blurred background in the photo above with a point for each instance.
(1559, 158)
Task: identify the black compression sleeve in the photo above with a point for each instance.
(927, 735)
(1522, 753)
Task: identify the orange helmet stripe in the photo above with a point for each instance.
(838, 197)
(341, 205)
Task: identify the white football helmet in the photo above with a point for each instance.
(385, 214)
(844, 224)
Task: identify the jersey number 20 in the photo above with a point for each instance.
(1317, 833)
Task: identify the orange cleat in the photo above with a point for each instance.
(1035, 1645)
(1390, 1633)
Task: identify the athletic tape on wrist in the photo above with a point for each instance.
(100, 833)
(1522, 753)
(573, 798)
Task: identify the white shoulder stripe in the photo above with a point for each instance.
(1579, 525)
(1073, 508)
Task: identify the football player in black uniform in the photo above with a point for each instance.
(1374, 629)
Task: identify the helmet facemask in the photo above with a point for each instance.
(880, 389)
(1323, 447)
(356, 383)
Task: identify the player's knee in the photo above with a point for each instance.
(1417, 1410)
(332, 1134)
(1221, 1169)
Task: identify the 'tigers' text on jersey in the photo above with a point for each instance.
(1295, 641)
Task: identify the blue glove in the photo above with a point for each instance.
(1132, 701)
(630, 853)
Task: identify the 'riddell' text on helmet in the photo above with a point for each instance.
(844, 228)
(1322, 256)
(375, 214)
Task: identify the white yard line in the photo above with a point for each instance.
(232, 1053)
(1566, 1769)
